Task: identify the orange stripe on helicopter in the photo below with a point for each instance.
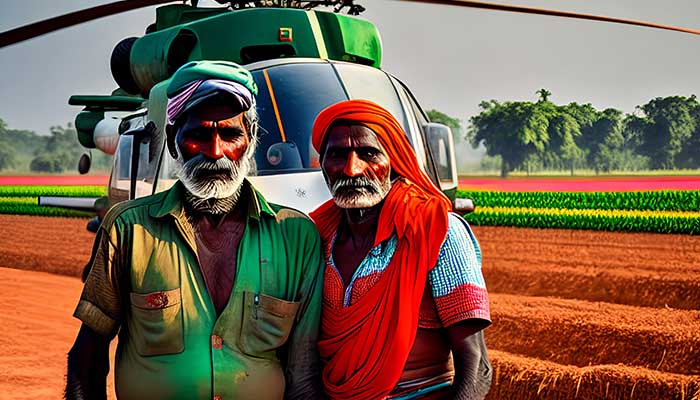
(274, 105)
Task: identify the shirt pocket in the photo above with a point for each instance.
(267, 322)
(157, 323)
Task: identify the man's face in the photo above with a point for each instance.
(356, 167)
(214, 132)
(215, 149)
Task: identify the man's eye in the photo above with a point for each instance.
(198, 134)
(368, 153)
(228, 134)
(332, 154)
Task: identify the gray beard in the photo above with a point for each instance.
(197, 205)
(359, 192)
(214, 186)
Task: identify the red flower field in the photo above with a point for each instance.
(519, 184)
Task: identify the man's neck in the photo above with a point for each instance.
(361, 223)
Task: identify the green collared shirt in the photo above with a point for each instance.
(146, 284)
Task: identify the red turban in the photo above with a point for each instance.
(364, 347)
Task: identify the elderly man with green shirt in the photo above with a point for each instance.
(214, 292)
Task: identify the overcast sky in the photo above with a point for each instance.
(451, 58)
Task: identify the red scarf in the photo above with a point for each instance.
(364, 347)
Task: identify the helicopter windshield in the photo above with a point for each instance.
(290, 96)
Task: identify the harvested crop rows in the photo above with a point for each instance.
(577, 314)
(590, 314)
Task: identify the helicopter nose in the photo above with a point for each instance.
(214, 150)
(354, 166)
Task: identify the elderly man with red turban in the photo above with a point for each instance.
(404, 300)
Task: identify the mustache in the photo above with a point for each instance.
(220, 178)
(201, 165)
(360, 182)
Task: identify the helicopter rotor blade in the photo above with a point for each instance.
(74, 18)
(541, 11)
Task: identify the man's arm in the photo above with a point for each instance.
(88, 366)
(461, 300)
(302, 367)
(99, 309)
(473, 372)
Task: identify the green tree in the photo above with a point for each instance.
(606, 141)
(513, 130)
(8, 159)
(60, 153)
(544, 95)
(46, 163)
(454, 124)
(667, 125)
(563, 132)
(689, 157)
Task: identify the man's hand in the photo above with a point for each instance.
(473, 372)
(88, 366)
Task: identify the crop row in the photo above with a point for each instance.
(639, 221)
(36, 191)
(32, 208)
(662, 200)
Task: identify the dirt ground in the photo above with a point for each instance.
(641, 269)
(624, 324)
(37, 332)
(48, 244)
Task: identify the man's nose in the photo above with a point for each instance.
(354, 166)
(214, 150)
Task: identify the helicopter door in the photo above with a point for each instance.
(125, 185)
(441, 145)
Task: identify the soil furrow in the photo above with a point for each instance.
(583, 333)
(612, 286)
(522, 378)
(657, 253)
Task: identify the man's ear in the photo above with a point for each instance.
(170, 133)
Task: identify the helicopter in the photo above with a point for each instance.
(302, 57)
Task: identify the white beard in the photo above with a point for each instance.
(227, 184)
(359, 192)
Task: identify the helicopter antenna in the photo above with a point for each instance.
(336, 5)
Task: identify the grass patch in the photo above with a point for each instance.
(32, 208)
(69, 191)
(626, 221)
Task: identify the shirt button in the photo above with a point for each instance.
(217, 397)
(217, 342)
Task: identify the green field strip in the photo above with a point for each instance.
(26, 208)
(23, 200)
(69, 191)
(587, 219)
(662, 200)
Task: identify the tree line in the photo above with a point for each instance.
(59, 151)
(661, 134)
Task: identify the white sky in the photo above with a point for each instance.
(451, 58)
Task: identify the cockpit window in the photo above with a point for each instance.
(374, 85)
(289, 99)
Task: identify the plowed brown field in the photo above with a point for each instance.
(580, 345)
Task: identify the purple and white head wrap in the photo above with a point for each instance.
(200, 90)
